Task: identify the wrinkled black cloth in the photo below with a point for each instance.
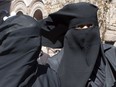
(81, 46)
(52, 33)
(83, 51)
(47, 78)
(55, 26)
(20, 44)
(103, 73)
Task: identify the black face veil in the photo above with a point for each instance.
(20, 45)
(82, 47)
(55, 26)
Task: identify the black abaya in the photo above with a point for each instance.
(84, 62)
(20, 44)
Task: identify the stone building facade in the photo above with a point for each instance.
(39, 9)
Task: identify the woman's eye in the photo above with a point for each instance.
(84, 26)
(90, 25)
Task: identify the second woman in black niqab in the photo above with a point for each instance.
(20, 45)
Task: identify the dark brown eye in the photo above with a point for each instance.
(90, 25)
(84, 26)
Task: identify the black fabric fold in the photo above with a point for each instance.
(52, 33)
(20, 44)
(82, 47)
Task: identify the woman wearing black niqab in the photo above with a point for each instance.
(81, 46)
(20, 44)
(84, 60)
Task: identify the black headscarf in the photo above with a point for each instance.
(20, 44)
(81, 47)
(55, 26)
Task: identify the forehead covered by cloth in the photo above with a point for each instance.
(22, 25)
(75, 10)
(19, 32)
(56, 25)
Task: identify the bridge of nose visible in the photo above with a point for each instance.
(84, 26)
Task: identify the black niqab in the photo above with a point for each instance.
(20, 44)
(81, 47)
(55, 26)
